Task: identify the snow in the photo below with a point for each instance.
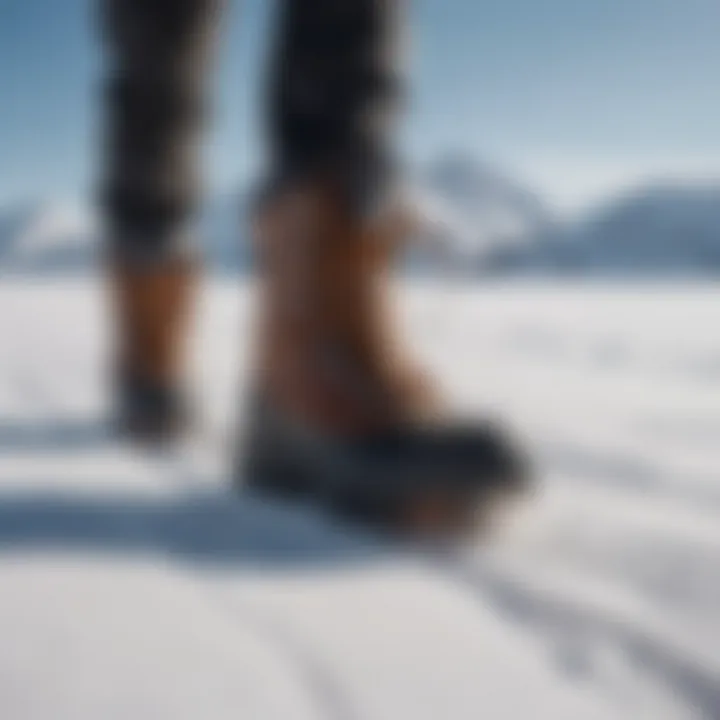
(138, 586)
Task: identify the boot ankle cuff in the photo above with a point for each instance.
(368, 200)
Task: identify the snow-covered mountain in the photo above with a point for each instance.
(658, 229)
(489, 224)
(46, 237)
(52, 237)
(471, 217)
(473, 220)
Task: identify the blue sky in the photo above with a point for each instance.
(580, 97)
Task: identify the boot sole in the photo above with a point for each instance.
(442, 508)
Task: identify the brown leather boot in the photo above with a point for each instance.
(152, 309)
(340, 414)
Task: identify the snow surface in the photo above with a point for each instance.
(139, 587)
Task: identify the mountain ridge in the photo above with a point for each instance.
(474, 220)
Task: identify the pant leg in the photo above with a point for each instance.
(335, 87)
(159, 53)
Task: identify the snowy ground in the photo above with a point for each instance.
(137, 587)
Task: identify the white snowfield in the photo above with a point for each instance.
(139, 587)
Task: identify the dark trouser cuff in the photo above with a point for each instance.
(365, 185)
(149, 249)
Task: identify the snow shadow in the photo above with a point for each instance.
(582, 633)
(191, 523)
(215, 528)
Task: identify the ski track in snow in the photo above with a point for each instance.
(601, 599)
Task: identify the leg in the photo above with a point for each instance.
(335, 88)
(159, 56)
(340, 415)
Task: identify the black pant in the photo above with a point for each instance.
(332, 91)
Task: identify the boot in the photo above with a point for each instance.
(151, 309)
(339, 414)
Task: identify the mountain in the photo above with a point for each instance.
(47, 237)
(473, 221)
(490, 224)
(662, 228)
(474, 217)
(52, 237)
(471, 217)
